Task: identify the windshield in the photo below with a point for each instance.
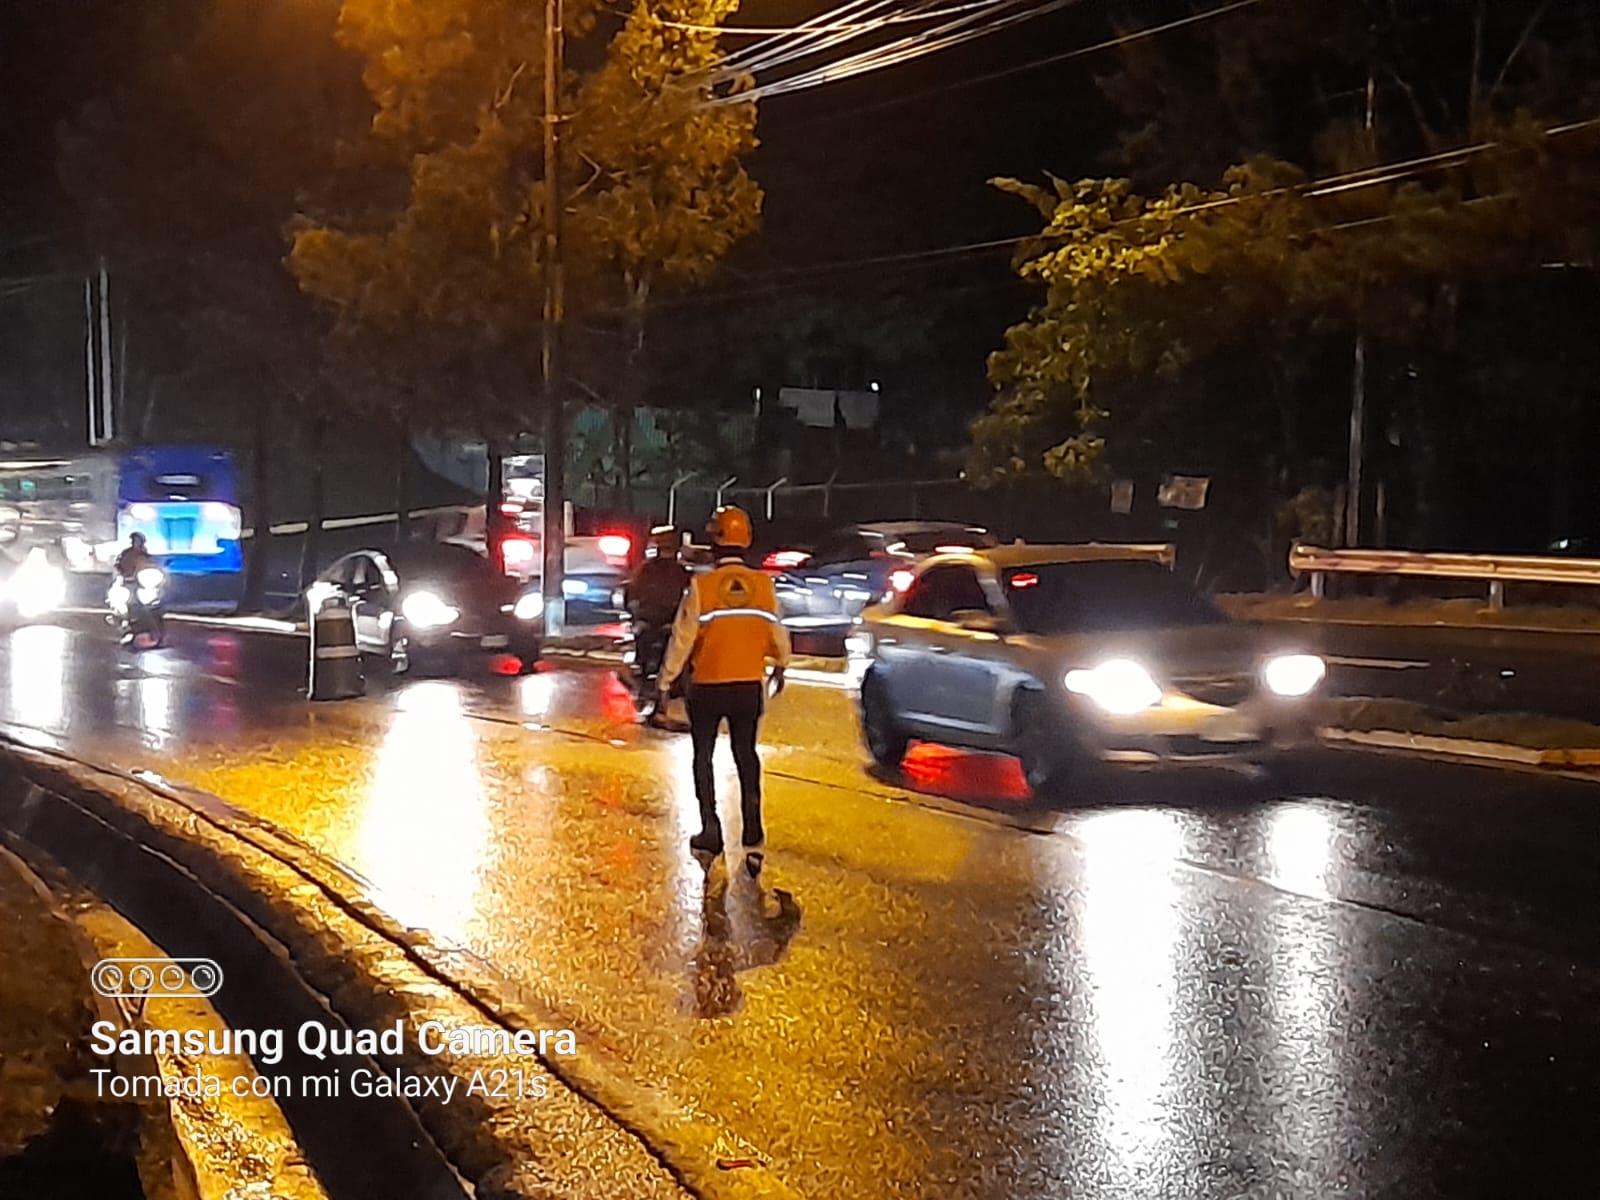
(416, 561)
(1103, 596)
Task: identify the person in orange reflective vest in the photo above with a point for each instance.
(726, 631)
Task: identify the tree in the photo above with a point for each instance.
(187, 174)
(1209, 322)
(660, 195)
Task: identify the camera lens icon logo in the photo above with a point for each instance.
(159, 977)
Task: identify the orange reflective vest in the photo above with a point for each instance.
(728, 627)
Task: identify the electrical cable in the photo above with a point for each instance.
(753, 30)
(905, 49)
(1331, 185)
(1129, 38)
(808, 38)
(901, 46)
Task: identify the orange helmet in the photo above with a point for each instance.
(730, 526)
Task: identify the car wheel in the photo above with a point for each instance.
(886, 741)
(1042, 745)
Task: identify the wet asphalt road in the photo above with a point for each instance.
(1376, 978)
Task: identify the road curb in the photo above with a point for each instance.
(1394, 739)
(92, 827)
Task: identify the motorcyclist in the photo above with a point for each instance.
(134, 557)
(136, 614)
(651, 598)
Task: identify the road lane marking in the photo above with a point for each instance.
(1381, 664)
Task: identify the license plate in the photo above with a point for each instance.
(496, 641)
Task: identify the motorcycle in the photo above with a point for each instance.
(136, 606)
(644, 660)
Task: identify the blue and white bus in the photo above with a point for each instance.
(84, 505)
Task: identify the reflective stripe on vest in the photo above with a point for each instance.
(714, 614)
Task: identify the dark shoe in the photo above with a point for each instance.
(753, 862)
(706, 842)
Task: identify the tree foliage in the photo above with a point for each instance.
(231, 116)
(455, 249)
(1212, 322)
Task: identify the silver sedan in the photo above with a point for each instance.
(1071, 656)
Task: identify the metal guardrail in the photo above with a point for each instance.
(1494, 569)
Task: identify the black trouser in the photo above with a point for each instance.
(650, 641)
(740, 704)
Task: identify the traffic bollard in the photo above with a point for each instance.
(335, 658)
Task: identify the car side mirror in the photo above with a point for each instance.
(976, 620)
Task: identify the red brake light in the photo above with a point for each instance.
(516, 552)
(1024, 580)
(615, 545)
(900, 580)
(783, 560)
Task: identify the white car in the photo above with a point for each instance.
(1069, 656)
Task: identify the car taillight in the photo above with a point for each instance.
(900, 580)
(783, 560)
(615, 545)
(1024, 579)
(517, 552)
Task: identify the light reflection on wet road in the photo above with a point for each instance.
(1377, 980)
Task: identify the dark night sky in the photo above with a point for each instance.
(840, 184)
(858, 169)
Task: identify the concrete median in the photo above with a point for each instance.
(1523, 738)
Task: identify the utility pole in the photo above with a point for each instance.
(107, 395)
(555, 450)
(90, 372)
(97, 356)
(1354, 484)
(1358, 429)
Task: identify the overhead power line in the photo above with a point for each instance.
(942, 37)
(1374, 176)
(858, 27)
(811, 37)
(1125, 39)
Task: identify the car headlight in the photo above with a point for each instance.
(573, 587)
(528, 606)
(1118, 685)
(427, 611)
(38, 587)
(1293, 674)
